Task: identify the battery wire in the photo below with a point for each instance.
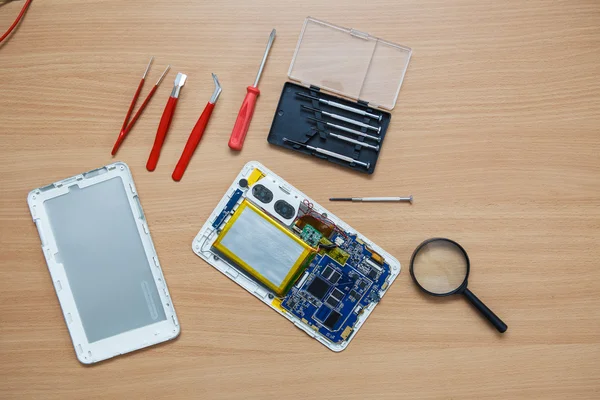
(19, 17)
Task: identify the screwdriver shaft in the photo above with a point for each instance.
(341, 106)
(330, 153)
(343, 128)
(341, 118)
(350, 140)
(264, 60)
(408, 199)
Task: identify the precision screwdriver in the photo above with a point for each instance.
(340, 118)
(330, 153)
(340, 106)
(242, 123)
(350, 140)
(408, 199)
(343, 128)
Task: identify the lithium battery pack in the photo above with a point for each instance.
(277, 261)
(102, 262)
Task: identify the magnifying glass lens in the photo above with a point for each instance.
(440, 267)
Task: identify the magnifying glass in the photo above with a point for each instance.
(440, 267)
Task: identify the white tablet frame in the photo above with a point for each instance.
(126, 342)
(207, 235)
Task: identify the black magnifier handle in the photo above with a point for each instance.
(486, 312)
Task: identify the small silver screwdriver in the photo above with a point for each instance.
(340, 106)
(330, 153)
(343, 128)
(354, 141)
(341, 118)
(408, 199)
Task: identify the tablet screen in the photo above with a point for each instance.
(103, 256)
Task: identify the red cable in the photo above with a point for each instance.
(25, 6)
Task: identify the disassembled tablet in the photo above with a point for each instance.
(295, 256)
(103, 264)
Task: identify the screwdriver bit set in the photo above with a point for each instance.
(346, 82)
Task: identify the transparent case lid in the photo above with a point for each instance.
(348, 62)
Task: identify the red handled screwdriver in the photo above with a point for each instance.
(165, 122)
(236, 141)
(196, 134)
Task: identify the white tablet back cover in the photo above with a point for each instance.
(103, 264)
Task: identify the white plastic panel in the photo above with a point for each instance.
(103, 263)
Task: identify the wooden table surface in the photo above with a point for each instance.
(496, 133)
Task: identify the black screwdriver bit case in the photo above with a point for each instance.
(348, 67)
(291, 122)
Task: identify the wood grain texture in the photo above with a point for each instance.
(496, 133)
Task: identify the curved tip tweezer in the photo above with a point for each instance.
(217, 92)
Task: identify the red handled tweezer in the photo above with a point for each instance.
(132, 105)
(165, 122)
(197, 132)
(136, 95)
(127, 126)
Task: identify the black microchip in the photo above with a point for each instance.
(362, 284)
(335, 277)
(327, 272)
(354, 294)
(322, 313)
(374, 297)
(332, 320)
(318, 287)
(332, 301)
(373, 274)
(337, 293)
